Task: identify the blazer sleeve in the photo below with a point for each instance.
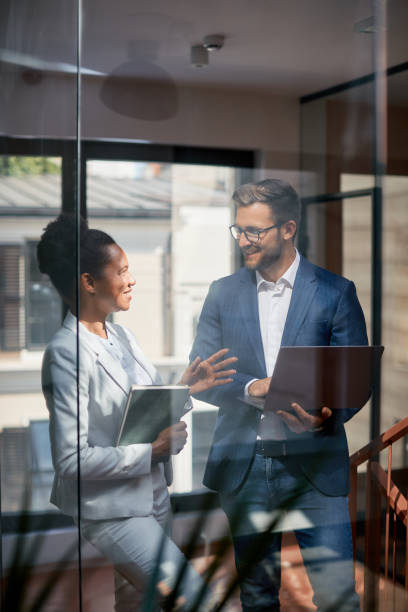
(69, 435)
(348, 326)
(208, 340)
(348, 329)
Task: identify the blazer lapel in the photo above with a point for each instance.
(248, 302)
(136, 351)
(303, 293)
(117, 373)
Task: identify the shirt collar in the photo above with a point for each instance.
(288, 277)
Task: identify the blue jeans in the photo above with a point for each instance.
(277, 497)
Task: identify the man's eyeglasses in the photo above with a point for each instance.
(253, 235)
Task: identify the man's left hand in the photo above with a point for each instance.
(203, 375)
(300, 421)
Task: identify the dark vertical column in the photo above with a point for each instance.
(78, 198)
(372, 551)
(379, 157)
(68, 176)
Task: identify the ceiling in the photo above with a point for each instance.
(286, 46)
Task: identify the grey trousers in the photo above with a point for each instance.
(134, 544)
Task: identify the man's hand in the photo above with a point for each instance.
(203, 375)
(170, 441)
(300, 421)
(259, 388)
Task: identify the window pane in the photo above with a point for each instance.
(38, 52)
(30, 313)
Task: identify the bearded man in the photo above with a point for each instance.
(294, 462)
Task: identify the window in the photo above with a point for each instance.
(43, 306)
(30, 191)
(157, 211)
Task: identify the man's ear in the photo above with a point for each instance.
(87, 283)
(289, 230)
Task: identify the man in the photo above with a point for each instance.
(292, 463)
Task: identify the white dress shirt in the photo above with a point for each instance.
(273, 305)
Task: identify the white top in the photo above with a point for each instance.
(273, 305)
(136, 373)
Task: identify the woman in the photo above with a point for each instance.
(123, 502)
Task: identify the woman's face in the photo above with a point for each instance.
(113, 291)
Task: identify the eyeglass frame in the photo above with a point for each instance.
(258, 232)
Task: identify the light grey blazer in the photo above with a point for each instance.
(115, 481)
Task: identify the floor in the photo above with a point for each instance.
(296, 593)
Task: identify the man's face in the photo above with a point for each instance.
(268, 249)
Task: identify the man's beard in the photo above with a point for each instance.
(266, 260)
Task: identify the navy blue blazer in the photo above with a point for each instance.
(324, 310)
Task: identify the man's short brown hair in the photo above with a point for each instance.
(277, 194)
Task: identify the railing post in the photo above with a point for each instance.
(353, 505)
(387, 513)
(372, 543)
(406, 551)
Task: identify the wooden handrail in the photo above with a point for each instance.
(396, 500)
(379, 485)
(371, 449)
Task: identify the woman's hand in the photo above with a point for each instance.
(170, 441)
(203, 375)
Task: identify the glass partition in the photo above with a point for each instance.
(337, 137)
(352, 218)
(38, 123)
(341, 149)
(174, 140)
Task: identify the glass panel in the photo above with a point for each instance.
(394, 329)
(172, 221)
(38, 50)
(337, 138)
(395, 309)
(350, 221)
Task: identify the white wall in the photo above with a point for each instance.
(212, 117)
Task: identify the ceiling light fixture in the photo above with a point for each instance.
(199, 56)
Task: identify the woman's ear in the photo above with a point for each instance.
(87, 283)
